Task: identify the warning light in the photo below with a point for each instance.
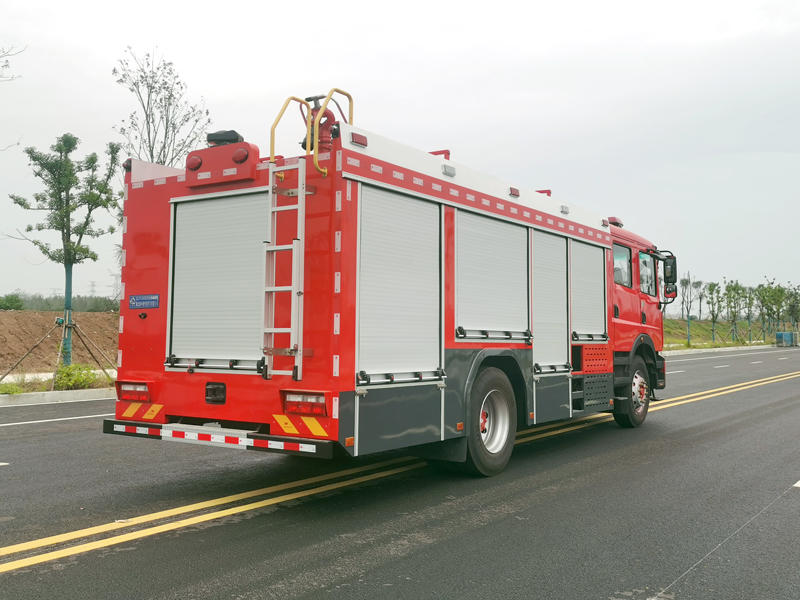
(240, 155)
(193, 162)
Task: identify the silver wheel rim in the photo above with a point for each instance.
(494, 421)
(639, 392)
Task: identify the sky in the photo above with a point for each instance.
(680, 118)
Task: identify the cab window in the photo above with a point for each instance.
(622, 265)
(647, 274)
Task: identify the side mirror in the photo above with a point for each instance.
(670, 271)
(670, 290)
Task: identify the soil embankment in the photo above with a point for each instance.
(21, 329)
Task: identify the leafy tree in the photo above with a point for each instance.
(165, 127)
(714, 303)
(11, 302)
(75, 191)
(701, 295)
(734, 297)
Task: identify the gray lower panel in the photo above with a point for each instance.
(347, 419)
(552, 398)
(462, 366)
(398, 417)
(598, 391)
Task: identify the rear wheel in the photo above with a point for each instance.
(637, 397)
(492, 423)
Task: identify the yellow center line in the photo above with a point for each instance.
(136, 535)
(661, 402)
(678, 401)
(72, 535)
(671, 403)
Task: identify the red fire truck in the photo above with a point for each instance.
(367, 296)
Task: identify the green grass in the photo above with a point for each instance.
(74, 377)
(675, 334)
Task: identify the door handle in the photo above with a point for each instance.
(644, 318)
(616, 311)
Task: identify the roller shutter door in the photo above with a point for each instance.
(218, 277)
(399, 285)
(550, 316)
(492, 274)
(588, 289)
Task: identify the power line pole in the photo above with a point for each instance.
(92, 292)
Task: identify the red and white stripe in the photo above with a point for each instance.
(213, 439)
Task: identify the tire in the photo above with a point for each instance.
(636, 397)
(492, 423)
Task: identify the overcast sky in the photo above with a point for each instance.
(682, 118)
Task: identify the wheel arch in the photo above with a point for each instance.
(507, 361)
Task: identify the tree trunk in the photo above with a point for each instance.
(68, 314)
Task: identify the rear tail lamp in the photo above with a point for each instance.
(133, 392)
(306, 404)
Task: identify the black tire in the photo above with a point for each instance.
(636, 397)
(492, 423)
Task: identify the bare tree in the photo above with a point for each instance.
(5, 54)
(166, 126)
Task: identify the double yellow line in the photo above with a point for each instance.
(596, 419)
(384, 469)
(202, 518)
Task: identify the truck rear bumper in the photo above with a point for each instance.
(224, 438)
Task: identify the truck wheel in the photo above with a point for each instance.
(637, 397)
(492, 423)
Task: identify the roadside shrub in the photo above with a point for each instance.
(10, 388)
(11, 302)
(78, 377)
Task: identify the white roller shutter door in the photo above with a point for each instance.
(218, 277)
(399, 285)
(550, 315)
(588, 289)
(491, 274)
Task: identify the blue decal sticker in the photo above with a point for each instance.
(144, 301)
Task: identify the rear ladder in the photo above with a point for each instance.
(271, 290)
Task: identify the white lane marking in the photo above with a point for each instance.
(51, 420)
(756, 362)
(673, 372)
(674, 360)
(3, 464)
(784, 358)
(54, 403)
(721, 366)
(795, 485)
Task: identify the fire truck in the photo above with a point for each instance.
(367, 296)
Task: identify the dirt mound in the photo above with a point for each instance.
(19, 330)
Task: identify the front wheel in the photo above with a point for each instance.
(492, 423)
(637, 398)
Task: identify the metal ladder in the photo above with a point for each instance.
(297, 249)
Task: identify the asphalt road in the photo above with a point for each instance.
(699, 503)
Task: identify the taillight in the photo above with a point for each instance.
(307, 404)
(133, 392)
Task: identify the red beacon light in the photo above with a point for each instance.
(194, 162)
(240, 155)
